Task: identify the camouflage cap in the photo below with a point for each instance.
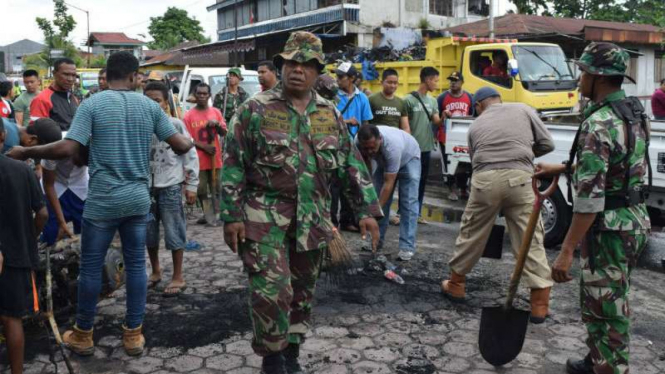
(326, 86)
(604, 59)
(301, 47)
(237, 73)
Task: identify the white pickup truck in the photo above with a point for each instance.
(556, 211)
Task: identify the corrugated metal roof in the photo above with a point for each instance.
(515, 25)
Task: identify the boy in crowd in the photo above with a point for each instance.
(169, 172)
(206, 124)
(22, 104)
(20, 198)
(388, 109)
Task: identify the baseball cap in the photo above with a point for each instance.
(455, 76)
(485, 93)
(46, 130)
(346, 68)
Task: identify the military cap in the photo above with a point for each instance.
(301, 47)
(236, 72)
(604, 59)
(326, 86)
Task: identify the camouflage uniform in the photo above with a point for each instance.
(620, 235)
(234, 100)
(277, 169)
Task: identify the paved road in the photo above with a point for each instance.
(364, 323)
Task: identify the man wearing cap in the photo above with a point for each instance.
(454, 103)
(282, 149)
(326, 86)
(229, 98)
(609, 213)
(503, 141)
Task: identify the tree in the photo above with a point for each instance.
(56, 35)
(173, 28)
(650, 12)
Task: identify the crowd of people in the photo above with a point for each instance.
(280, 170)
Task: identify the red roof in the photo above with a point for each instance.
(113, 38)
(513, 25)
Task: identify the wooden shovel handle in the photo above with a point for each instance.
(528, 237)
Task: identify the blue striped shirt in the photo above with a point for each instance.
(118, 127)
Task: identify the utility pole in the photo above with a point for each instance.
(235, 23)
(491, 20)
(87, 15)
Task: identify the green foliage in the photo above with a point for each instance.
(173, 28)
(98, 62)
(650, 12)
(424, 24)
(56, 35)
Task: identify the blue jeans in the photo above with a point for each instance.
(96, 237)
(72, 210)
(167, 209)
(408, 180)
(424, 174)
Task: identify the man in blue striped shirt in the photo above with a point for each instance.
(117, 125)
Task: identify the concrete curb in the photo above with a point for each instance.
(441, 210)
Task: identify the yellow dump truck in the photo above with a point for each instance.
(536, 74)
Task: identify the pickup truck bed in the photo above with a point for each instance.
(556, 210)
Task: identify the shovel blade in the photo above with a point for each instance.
(502, 333)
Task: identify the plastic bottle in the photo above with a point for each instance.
(391, 275)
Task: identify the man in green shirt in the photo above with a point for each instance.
(387, 108)
(22, 104)
(423, 113)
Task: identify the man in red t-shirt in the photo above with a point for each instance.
(499, 67)
(206, 125)
(454, 103)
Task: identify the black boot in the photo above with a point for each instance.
(584, 366)
(291, 354)
(273, 364)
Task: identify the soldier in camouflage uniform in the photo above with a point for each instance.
(236, 94)
(282, 148)
(609, 210)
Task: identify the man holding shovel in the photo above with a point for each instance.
(609, 213)
(205, 124)
(502, 144)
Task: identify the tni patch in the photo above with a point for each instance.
(276, 120)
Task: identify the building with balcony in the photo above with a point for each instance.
(263, 26)
(107, 43)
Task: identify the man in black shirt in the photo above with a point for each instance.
(20, 197)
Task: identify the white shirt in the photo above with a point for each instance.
(68, 176)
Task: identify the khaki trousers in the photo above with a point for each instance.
(508, 191)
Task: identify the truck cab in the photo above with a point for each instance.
(536, 74)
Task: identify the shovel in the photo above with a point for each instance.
(503, 328)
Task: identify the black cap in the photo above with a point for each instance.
(46, 130)
(455, 76)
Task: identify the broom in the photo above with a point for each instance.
(339, 262)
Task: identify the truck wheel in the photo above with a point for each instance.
(555, 214)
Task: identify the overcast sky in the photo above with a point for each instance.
(129, 16)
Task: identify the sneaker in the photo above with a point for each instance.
(405, 255)
(394, 220)
(422, 220)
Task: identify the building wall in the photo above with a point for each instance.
(15, 52)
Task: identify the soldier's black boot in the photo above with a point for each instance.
(584, 366)
(291, 354)
(273, 364)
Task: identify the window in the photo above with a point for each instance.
(441, 7)
(479, 7)
(659, 68)
(492, 66)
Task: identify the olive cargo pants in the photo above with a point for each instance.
(507, 191)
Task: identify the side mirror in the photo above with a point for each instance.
(513, 70)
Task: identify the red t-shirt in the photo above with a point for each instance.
(458, 106)
(493, 71)
(196, 121)
(5, 109)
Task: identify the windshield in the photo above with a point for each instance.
(89, 79)
(542, 63)
(250, 84)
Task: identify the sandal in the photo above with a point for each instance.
(177, 290)
(152, 282)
